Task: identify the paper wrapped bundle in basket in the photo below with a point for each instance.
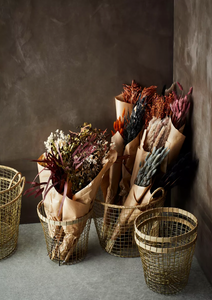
(154, 125)
(70, 174)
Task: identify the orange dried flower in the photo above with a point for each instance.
(119, 124)
(158, 107)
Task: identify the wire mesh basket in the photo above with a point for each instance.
(11, 189)
(66, 241)
(116, 237)
(166, 240)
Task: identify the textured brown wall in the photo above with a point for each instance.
(62, 63)
(193, 67)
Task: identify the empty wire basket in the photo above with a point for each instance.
(166, 240)
(11, 189)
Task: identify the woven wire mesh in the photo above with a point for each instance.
(67, 242)
(166, 240)
(11, 188)
(115, 226)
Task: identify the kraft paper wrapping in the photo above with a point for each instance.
(140, 158)
(77, 207)
(146, 200)
(134, 198)
(120, 105)
(110, 188)
(127, 168)
(114, 174)
(51, 206)
(174, 142)
(171, 89)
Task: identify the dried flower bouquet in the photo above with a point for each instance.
(70, 174)
(154, 124)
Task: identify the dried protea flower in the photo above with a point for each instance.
(131, 92)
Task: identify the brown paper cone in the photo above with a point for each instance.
(124, 184)
(115, 170)
(113, 178)
(174, 143)
(51, 206)
(140, 158)
(172, 88)
(127, 168)
(144, 202)
(135, 196)
(121, 105)
(79, 206)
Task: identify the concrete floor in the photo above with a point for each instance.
(30, 275)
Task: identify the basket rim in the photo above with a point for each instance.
(166, 239)
(61, 223)
(166, 209)
(164, 250)
(158, 199)
(22, 184)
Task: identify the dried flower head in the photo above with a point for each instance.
(180, 107)
(131, 92)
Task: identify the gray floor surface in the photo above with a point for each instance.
(30, 275)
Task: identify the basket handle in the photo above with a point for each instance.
(155, 191)
(11, 182)
(22, 184)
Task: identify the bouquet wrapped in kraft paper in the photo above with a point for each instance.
(128, 128)
(126, 100)
(70, 174)
(139, 193)
(124, 104)
(126, 140)
(161, 120)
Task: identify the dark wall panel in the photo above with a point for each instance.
(193, 67)
(62, 63)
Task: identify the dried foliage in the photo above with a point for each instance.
(119, 125)
(74, 160)
(158, 107)
(150, 166)
(157, 133)
(131, 92)
(135, 122)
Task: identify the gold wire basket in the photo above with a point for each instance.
(66, 241)
(11, 189)
(107, 217)
(166, 240)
